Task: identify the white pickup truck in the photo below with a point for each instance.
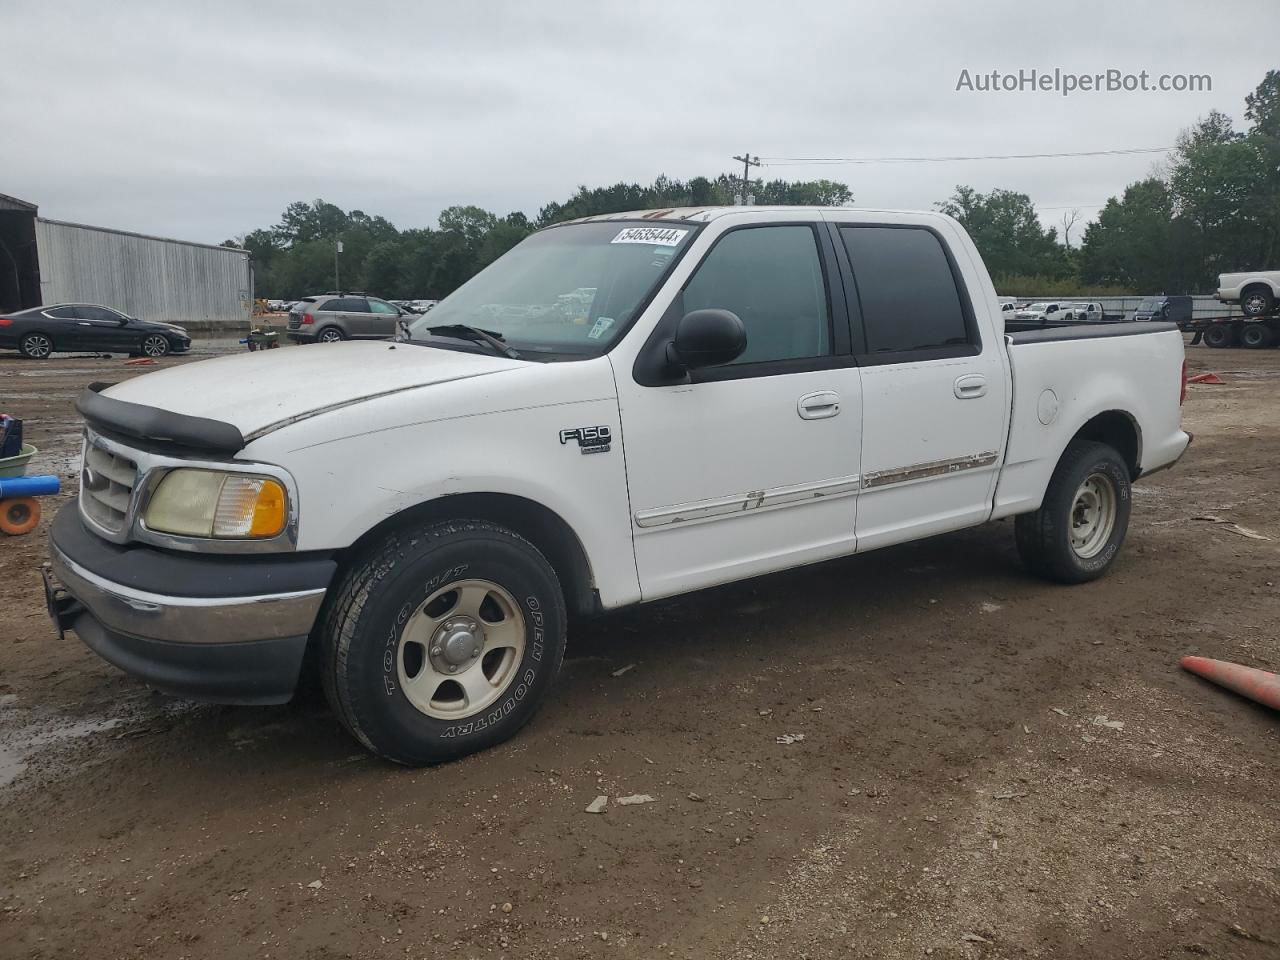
(622, 408)
(1257, 293)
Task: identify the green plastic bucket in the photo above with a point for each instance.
(17, 466)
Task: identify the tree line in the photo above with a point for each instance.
(1213, 206)
(295, 257)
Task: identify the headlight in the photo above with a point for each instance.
(208, 503)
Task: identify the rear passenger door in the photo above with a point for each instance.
(356, 319)
(933, 388)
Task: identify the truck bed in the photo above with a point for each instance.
(1047, 333)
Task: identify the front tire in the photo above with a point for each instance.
(1076, 534)
(155, 345)
(36, 346)
(442, 641)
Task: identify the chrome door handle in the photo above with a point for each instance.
(971, 385)
(816, 406)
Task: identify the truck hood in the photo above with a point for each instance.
(260, 392)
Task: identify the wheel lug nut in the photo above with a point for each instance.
(435, 651)
(453, 668)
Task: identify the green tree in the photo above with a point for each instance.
(1131, 243)
(1007, 232)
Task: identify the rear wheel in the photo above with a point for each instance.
(1078, 530)
(331, 335)
(1257, 302)
(1255, 336)
(442, 641)
(1218, 335)
(36, 346)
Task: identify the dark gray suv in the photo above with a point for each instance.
(331, 317)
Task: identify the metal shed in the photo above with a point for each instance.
(155, 278)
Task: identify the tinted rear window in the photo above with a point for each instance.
(906, 288)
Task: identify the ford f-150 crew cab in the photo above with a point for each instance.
(621, 408)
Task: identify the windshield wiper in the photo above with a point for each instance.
(462, 331)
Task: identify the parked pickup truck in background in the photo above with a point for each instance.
(1088, 311)
(656, 402)
(1257, 293)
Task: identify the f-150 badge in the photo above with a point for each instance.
(590, 439)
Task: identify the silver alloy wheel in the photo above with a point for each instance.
(37, 345)
(330, 336)
(460, 649)
(1093, 515)
(1255, 305)
(155, 346)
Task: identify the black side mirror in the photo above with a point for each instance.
(707, 338)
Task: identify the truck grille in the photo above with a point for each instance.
(106, 486)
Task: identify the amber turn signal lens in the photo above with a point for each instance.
(269, 511)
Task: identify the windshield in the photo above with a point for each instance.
(1149, 305)
(567, 289)
(1039, 307)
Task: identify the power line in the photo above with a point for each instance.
(799, 161)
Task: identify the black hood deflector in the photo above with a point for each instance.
(153, 425)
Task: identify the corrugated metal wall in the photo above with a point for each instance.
(147, 277)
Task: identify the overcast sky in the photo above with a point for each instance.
(203, 123)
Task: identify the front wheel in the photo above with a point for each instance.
(1078, 530)
(155, 345)
(442, 641)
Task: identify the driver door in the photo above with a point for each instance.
(105, 330)
(382, 318)
(751, 466)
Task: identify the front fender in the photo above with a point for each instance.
(349, 485)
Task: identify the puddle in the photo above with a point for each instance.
(26, 736)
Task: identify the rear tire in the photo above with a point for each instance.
(1255, 336)
(36, 346)
(1257, 303)
(395, 633)
(1078, 530)
(1218, 335)
(330, 335)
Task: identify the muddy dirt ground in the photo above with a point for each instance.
(955, 793)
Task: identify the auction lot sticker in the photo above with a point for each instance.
(660, 236)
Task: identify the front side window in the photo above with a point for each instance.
(379, 306)
(909, 297)
(100, 313)
(565, 290)
(771, 277)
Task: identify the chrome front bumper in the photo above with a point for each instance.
(217, 628)
(154, 616)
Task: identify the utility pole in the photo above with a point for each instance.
(747, 162)
(337, 249)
